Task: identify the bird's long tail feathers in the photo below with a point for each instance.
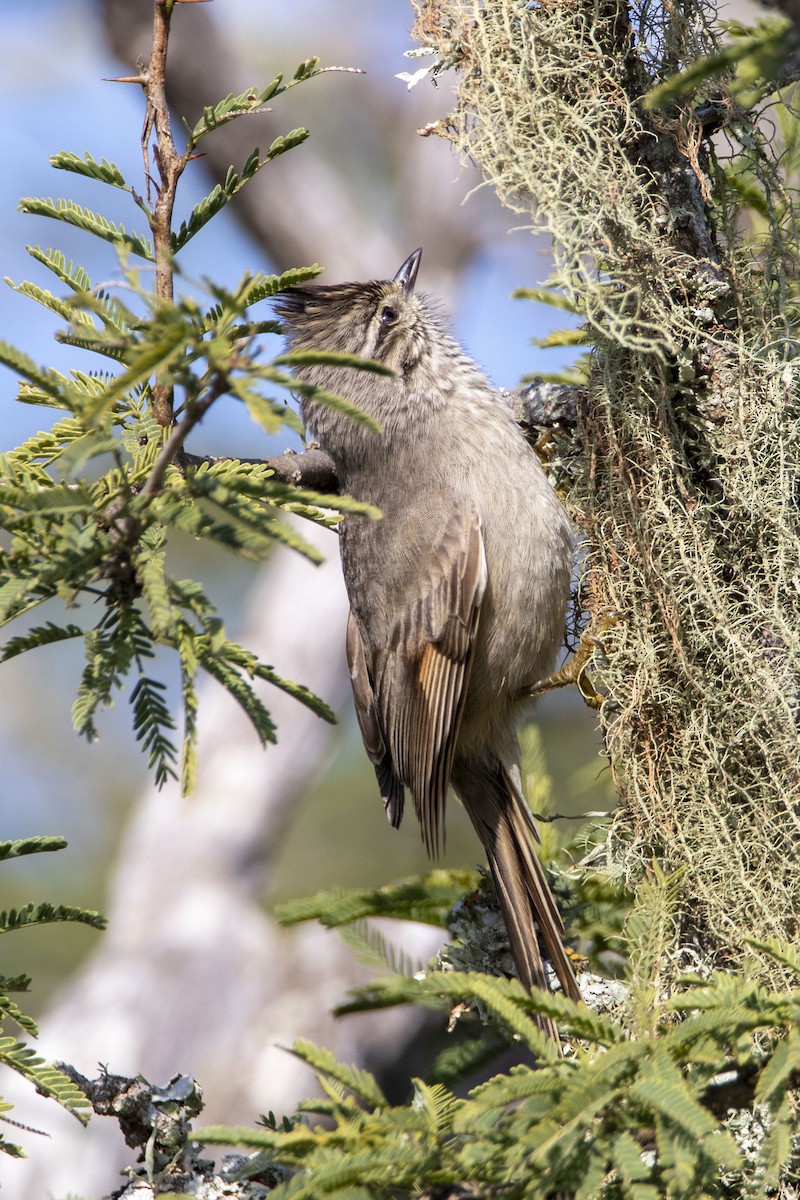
(505, 826)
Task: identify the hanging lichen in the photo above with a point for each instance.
(677, 247)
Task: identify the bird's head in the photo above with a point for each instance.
(378, 319)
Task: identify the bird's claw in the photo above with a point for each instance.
(574, 671)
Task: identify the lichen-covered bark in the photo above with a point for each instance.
(684, 466)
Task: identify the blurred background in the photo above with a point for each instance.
(192, 973)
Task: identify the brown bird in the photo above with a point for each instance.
(458, 594)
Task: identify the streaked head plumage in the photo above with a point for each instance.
(378, 319)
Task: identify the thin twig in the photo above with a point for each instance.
(170, 166)
(180, 432)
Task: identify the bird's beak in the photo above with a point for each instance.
(407, 275)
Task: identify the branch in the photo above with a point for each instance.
(312, 469)
(170, 168)
(538, 406)
(288, 221)
(172, 447)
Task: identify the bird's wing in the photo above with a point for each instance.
(410, 692)
(392, 790)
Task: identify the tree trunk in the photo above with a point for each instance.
(683, 473)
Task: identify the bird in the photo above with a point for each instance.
(458, 593)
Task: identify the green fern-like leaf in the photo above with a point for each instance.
(763, 50)
(51, 383)
(216, 200)
(331, 358)
(426, 898)
(437, 1103)
(48, 914)
(151, 722)
(247, 103)
(661, 1087)
(185, 644)
(9, 1011)
(216, 665)
(373, 949)
(322, 396)
(779, 951)
(15, 983)
(547, 296)
(48, 1080)
(247, 662)
(231, 107)
(111, 312)
(156, 591)
(62, 308)
(40, 635)
(103, 171)
(6, 1147)
(92, 222)
(361, 1083)
(31, 845)
(648, 930)
(120, 638)
(563, 337)
(775, 1079)
(254, 482)
(776, 1149)
(165, 344)
(270, 285)
(628, 1159)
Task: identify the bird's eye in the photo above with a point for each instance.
(389, 314)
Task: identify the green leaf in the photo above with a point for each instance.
(288, 141)
(155, 587)
(9, 1011)
(40, 635)
(269, 285)
(50, 382)
(15, 983)
(232, 106)
(103, 171)
(111, 312)
(424, 898)
(628, 1158)
(31, 845)
(563, 337)
(92, 222)
(331, 358)
(213, 662)
(48, 1080)
(662, 1089)
(62, 308)
(773, 1081)
(48, 914)
(776, 1148)
(143, 360)
(361, 1083)
(321, 396)
(185, 643)
(547, 296)
(781, 952)
(768, 41)
(151, 720)
(216, 200)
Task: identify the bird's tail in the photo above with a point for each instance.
(505, 826)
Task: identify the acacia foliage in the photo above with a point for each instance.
(90, 505)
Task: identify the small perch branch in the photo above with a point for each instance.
(540, 405)
(312, 469)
